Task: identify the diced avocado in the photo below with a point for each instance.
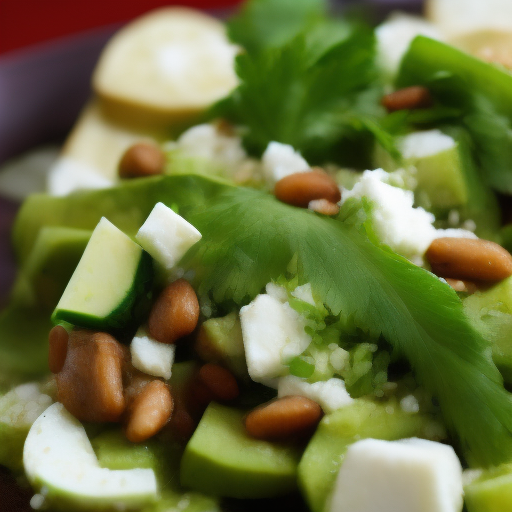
(490, 311)
(491, 491)
(437, 167)
(51, 263)
(222, 460)
(324, 454)
(109, 283)
(58, 457)
(19, 408)
(115, 452)
(184, 502)
(220, 340)
(446, 179)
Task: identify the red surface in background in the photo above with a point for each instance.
(27, 22)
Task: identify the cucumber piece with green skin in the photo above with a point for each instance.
(221, 459)
(107, 287)
(324, 453)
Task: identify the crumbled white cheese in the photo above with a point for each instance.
(22, 405)
(407, 230)
(167, 236)
(331, 394)
(304, 293)
(396, 34)
(277, 292)
(151, 356)
(410, 475)
(425, 143)
(69, 175)
(409, 404)
(280, 160)
(206, 141)
(273, 333)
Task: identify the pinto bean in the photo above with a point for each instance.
(175, 312)
(469, 259)
(141, 160)
(407, 99)
(149, 412)
(219, 381)
(284, 418)
(58, 348)
(90, 383)
(300, 188)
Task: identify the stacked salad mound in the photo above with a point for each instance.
(247, 311)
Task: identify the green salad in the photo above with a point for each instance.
(302, 298)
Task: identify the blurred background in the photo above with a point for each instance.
(48, 50)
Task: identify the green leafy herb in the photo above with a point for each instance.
(264, 24)
(249, 238)
(310, 87)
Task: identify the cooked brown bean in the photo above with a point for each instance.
(181, 424)
(284, 418)
(462, 286)
(469, 259)
(140, 160)
(300, 188)
(175, 312)
(408, 98)
(219, 381)
(90, 384)
(58, 348)
(324, 207)
(149, 412)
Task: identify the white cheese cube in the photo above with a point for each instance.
(410, 475)
(151, 356)
(273, 333)
(167, 236)
(280, 160)
(331, 394)
(425, 143)
(69, 175)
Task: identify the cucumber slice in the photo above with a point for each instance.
(109, 283)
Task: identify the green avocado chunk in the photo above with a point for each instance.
(19, 408)
(220, 341)
(449, 180)
(491, 312)
(109, 284)
(222, 460)
(362, 419)
(491, 491)
(51, 263)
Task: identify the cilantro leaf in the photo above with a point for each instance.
(309, 92)
(263, 24)
(249, 238)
